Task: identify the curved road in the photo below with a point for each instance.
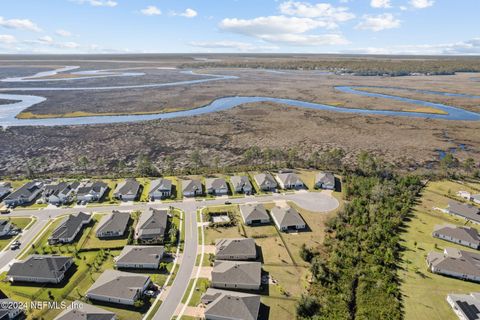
(313, 201)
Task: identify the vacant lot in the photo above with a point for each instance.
(424, 292)
(279, 254)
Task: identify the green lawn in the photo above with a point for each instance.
(200, 288)
(89, 239)
(424, 293)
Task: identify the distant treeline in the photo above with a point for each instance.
(361, 67)
(355, 272)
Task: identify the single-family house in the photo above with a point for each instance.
(113, 225)
(127, 190)
(216, 186)
(230, 305)
(287, 218)
(60, 193)
(80, 310)
(325, 180)
(244, 275)
(160, 189)
(40, 269)
(10, 309)
(265, 181)
(5, 227)
(254, 214)
(465, 236)
(464, 194)
(241, 184)
(465, 306)
(476, 198)
(91, 191)
(455, 263)
(25, 194)
(69, 228)
(464, 210)
(119, 287)
(140, 257)
(235, 249)
(192, 188)
(5, 189)
(151, 226)
(289, 180)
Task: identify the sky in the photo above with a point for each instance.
(240, 26)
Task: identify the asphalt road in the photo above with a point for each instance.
(184, 274)
(312, 201)
(25, 239)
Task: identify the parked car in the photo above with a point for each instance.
(228, 202)
(4, 210)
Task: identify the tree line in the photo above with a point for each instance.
(355, 271)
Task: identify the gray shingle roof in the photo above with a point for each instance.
(152, 220)
(468, 304)
(42, 266)
(70, 225)
(265, 179)
(287, 217)
(215, 183)
(115, 222)
(460, 233)
(191, 185)
(129, 187)
(118, 284)
(235, 246)
(289, 178)
(25, 191)
(237, 272)
(95, 186)
(254, 212)
(4, 224)
(240, 182)
(467, 211)
(325, 178)
(160, 184)
(454, 260)
(56, 189)
(231, 305)
(141, 254)
(87, 312)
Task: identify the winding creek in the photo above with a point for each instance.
(8, 112)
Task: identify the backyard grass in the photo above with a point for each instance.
(278, 309)
(424, 293)
(90, 241)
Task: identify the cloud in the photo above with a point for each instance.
(232, 45)
(422, 4)
(63, 33)
(151, 11)
(381, 3)
(379, 22)
(271, 25)
(323, 11)
(283, 30)
(47, 41)
(21, 24)
(7, 39)
(188, 13)
(98, 3)
(467, 47)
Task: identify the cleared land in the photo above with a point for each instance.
(279, 255)
(424, 293)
